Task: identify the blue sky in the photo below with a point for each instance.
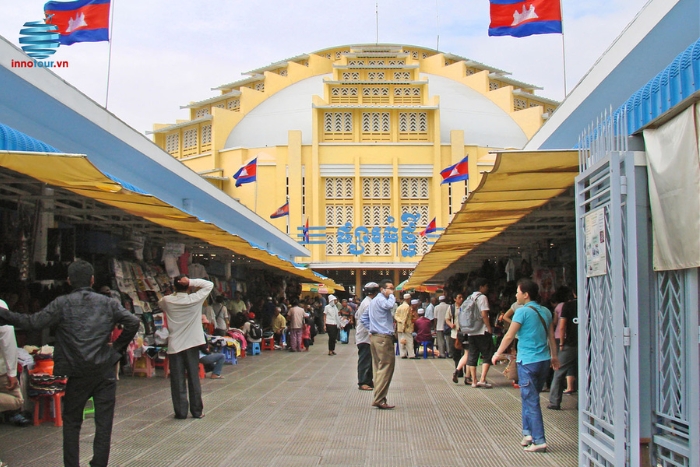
(166, 53)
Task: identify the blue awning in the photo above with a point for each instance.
(13, 140)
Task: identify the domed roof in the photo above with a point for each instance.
(461, 108)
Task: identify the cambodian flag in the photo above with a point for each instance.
(305, 231)
(247, 173)
(281, 212)
(457, 172)
(524, 18)
(79, 21)
(432, 227)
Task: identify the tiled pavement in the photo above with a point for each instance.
(291, 409)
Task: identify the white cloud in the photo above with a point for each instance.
(166, 53)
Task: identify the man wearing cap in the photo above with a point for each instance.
(332, 322)
(381, 328)
(441, 311)
(423, 327)
(405, 316)
(364, 353)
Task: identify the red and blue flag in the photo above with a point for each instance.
(281, 212)
(430, 228)
(524, 18)
(457, 172)
(79, 21)
(247, 173)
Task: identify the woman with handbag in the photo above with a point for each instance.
(537, 351)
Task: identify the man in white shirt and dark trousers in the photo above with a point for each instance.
(183, 312)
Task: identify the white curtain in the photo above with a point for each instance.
(673, 166)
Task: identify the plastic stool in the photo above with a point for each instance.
(425, 345)
(268, 343)
(202, 373)
(89, 409)
(43, 404)
(255, 348)
(230, 354)
(242, 354)
(164, 364)
(145, 368)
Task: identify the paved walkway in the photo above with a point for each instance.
(290, 409)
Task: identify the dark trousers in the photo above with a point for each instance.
(183, 365)
(456, 354)
(332, 331)
(364, 365)
(103, 390)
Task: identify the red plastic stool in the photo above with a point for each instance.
(43, 404)
(268, 343)
(164, 364)
(202, 373)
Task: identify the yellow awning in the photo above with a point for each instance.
(520, 182)
(77, 174)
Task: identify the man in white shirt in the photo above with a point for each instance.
(183, 312)
(480, 341)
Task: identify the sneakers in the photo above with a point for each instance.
(19, 420)
(536, 448)
(527, 440)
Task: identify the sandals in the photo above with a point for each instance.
(573, 391)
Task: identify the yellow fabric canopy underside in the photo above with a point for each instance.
(519, 183)
(77, 174)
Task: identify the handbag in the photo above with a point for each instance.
(511, 371)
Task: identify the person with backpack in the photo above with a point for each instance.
(252, 330)
(474, 321)
(537, 350)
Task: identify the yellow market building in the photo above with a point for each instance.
(355, 138)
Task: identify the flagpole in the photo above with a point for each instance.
(256, 191)
(563, 48)
(376, 5)
(109, 59)
(288, 232)
(437, 23)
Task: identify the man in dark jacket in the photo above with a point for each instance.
(83, 321)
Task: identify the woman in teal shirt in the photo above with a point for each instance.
(537, 351)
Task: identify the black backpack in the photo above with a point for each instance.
(256, 331)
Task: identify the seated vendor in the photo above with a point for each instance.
(212, 361)
(252, 330)
(278, 326)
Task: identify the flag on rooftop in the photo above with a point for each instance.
(79, 21)
(457, 172)
(281, 212)
(430, 228)
(524, 18)
(247, 173)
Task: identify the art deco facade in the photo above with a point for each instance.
(355, 137)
